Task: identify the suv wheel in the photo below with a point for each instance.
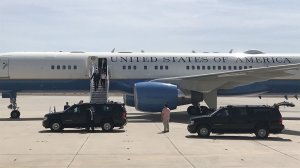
(15, 114)
(56, 126)
(203, 131)
(262, 133)
(107, 126)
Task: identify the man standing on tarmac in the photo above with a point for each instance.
(90, 119)
(165, 117)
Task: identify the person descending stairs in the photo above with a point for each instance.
(98, 94)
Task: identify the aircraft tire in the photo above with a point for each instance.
(192, 110)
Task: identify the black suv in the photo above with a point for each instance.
(260, 120)
(106, 116)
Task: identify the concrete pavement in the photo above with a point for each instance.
(25, 143)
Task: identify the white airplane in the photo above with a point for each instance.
(149, 80)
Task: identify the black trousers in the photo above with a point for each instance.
(103, 83)
(96, 84)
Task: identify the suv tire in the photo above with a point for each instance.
(262, 132)
(107, 126)
(15, 114)
(56, 126)
(203, 131)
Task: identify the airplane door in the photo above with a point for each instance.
(102, 64)
(3, 67)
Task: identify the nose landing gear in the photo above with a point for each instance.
(15, 113)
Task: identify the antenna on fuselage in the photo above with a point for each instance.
(113, 50)
(230, 51)
(142, 51)
(193, 51)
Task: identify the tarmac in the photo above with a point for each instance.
(26, 143)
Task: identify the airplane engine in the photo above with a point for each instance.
(151, 96)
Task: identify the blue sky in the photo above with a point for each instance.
(152, 26)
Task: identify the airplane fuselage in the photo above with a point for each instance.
(69, 72)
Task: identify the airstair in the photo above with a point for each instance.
(100, 94)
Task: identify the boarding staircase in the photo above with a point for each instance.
(100, 95)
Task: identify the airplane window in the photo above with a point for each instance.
(224, 67)
(198, 67)
(234, 67)
(219, 67)
(129, 67)
(58, 67)
(187, 67)
(208, 67)
(63, 67)
(250, 67)
(166, 67)
(69, 67)
(193, 67)
(124, 67)
(74, 67)
(134, 67)
(214, 67)
(245, 67)
(52, 66)
(156, 67)
(203, 67)
(161, 67)
(145, 67)
(240, 67)
(229, 67)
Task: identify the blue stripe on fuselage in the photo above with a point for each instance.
(271, 86)
(62, 85)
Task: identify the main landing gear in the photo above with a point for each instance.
(15, 113)
(196, 109)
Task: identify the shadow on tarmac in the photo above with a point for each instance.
(21, 119)
(83, 131)
(291, 118)
(291, 132)
(238, 138)
(177, 117)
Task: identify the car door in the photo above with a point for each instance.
(221, 121)
(75, 116)
(240, 121)
(107, 112)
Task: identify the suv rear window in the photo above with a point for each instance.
(239, 112)
(118, 108)
(266, 112)
(106, 108)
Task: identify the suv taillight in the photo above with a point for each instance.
(123, 115)
(280, 121)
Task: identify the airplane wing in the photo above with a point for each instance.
(226, 80)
